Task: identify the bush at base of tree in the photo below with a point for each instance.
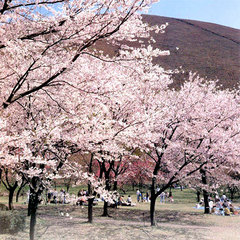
(11, 222)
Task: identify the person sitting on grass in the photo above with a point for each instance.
(200, 204)
(221, 211)
(218, 204)
(215, 211)
(226, 204)
(122, 202)
(129, 202)
(227, 212)
(210, 204)
(233, 210)
(82, 200)
(129, 199)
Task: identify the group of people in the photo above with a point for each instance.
(141, 197)
(220, 206)
(122, 202)
(166, 197)
(62, 197)
(82, 197)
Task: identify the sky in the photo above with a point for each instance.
(223, 12)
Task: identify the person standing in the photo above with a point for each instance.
(162, 197)
(147, 196)
(142, 196)
(138, 195)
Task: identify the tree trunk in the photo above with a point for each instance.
(68, 186)
(32, 224)
(18, 193)
(115, 185)
(10, 199)
(105, 209)
(90, 209)
(152, 211)
(198, 196)
(206, 202)
(90, 203)
(90, 197)
(153, 201)
(205, 193)
(105, 206)
(231, 190)
(19, 190)
(232, 195)
(32, 210)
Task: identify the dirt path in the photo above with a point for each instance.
(71, 224)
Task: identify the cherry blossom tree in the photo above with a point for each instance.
(43, 43)
(10, 182)
(188, 131)
(55, 85)
(138, 172)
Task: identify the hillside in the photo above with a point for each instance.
(211, 50)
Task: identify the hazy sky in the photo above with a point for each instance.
(223, 12)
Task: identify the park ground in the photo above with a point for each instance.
(178, 220)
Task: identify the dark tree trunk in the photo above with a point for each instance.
(32, 224)
(115, 185)
(32, 210)
(10, 196)
(90, 203)
(90, 209)
(18, 193)
(198, 196)
(140, 185)
(10, 199)
(19, 190)
(232, 195)
(205, 193)
(33, 204)
(90, 198)
(105, 209)
(232, 192)
(153, 201)
(105, 206)
(133, 186)
(206, 202)
(152, 211)
(68, 186)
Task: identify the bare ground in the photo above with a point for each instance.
(70, 223)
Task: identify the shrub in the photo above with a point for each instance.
(11, 222)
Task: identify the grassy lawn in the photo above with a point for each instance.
(178, 220)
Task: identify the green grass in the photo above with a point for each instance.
(177, 220)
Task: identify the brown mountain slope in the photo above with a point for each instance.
(211, 50)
